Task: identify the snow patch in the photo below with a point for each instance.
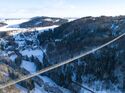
(29, 66)
(47, 80)
(13, 57)
(71, 19)
(38, 23)
(29, 52)
(42, 29)
(48, 19)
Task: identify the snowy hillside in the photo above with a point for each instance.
(102, 71)
(22, 49)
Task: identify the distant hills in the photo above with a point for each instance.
(43, 22)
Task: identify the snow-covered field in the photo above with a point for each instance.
(12, 24)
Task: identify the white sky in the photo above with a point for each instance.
(61, 8)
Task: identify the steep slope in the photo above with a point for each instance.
(102, 70)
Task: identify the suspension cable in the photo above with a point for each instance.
(84, 87)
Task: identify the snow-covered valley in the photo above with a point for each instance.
(24, 51)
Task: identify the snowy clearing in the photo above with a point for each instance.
(29, 66)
